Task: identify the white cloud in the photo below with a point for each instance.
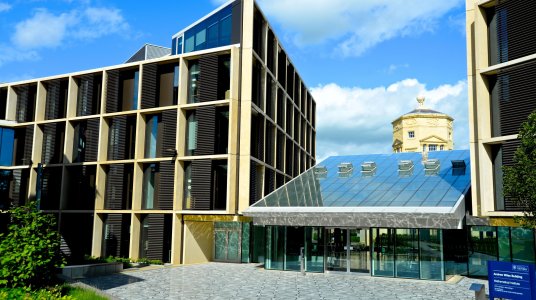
(102, 21)
(353, 120)
(4, 6)
(355, 26)
(47, 30)
(10, 54)
(219, 2)
(43, 30)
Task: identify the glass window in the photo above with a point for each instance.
(225, 30)
(174, 46)
(275, 247)
(200, 39)
(411, 134)
(193, 88)
(424, 148)
(175, 84)
(136, 84)
(7, 139)
(151, 136)
(189, 44)
(432, 147)
(149, 175)
(179, 46)
(212, 36)
(191, 143)
(441, 147)
(187, 185)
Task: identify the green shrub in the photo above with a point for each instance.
(30, 252)
(42, 294)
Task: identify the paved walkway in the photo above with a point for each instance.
(245, 281)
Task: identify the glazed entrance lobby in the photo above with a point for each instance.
(397, 215)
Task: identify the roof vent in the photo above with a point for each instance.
(458, 167)
(368, 168)
(346, 169)
(405, 168)
(321, 171)
(431, 167)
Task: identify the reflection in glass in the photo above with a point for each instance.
(336, 250)
(522, 245)
(431, 254)
(187, 185)
(383, 252)
(482, 247)
(191, 135)
(149, 175)
(193, 84)
(275, 247)
(407, 253)
(504, 243)
(314, 251)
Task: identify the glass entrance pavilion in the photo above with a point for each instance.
(386, 214)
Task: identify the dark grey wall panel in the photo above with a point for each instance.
(51, 188)
(118, 194)
(80, 188)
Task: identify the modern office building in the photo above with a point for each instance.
(159, 156)
(501, 59)
(422, 130)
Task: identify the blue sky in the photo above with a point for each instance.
(365, 61)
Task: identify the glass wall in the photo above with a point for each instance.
(431, 254)
(284, 244)
(408, 253)
(482, 246)
(383, 251)
(213, 32)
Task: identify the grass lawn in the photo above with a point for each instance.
(83, 294)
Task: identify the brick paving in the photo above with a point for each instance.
(246, 281)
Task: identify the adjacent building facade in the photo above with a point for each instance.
(422, 130)
(158, 157)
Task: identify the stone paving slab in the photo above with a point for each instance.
(245, 281)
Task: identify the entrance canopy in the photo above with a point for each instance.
(400, 190)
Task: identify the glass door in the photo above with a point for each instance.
(358, 250)
(314, 249)
(337, 250)
(295, 241)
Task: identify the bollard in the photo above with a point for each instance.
(480, 291)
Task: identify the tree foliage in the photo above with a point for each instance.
(30, 252)
(520, 178)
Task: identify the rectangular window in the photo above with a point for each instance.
(149, 186)
(424, 148)
(7, 139)
(411, 134)
(193, 77)
(179, 46)
(432, 147)
(174, 46)
(441, 147)
(151, 136)
(191, 144)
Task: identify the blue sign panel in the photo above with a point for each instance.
(511, 280)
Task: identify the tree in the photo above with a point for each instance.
(30, 252)
(520, 178)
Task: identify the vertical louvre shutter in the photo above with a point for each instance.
(169, 119)
(516, 96)
(201, 184)
(28, 145)
(118, 187)
(24, 104)
(280, 150)
(116, 235)
(206, 122)
(155, 236)
(208, 78)
(165, 197)
(513, 19)
(269, 152)
(53, 99)
(85, 95)
(149, 85)
(92, 139)
(117, 138)
(288, 156)
(268, 181)
(253, 183)
(52, 151)
(112, 92)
